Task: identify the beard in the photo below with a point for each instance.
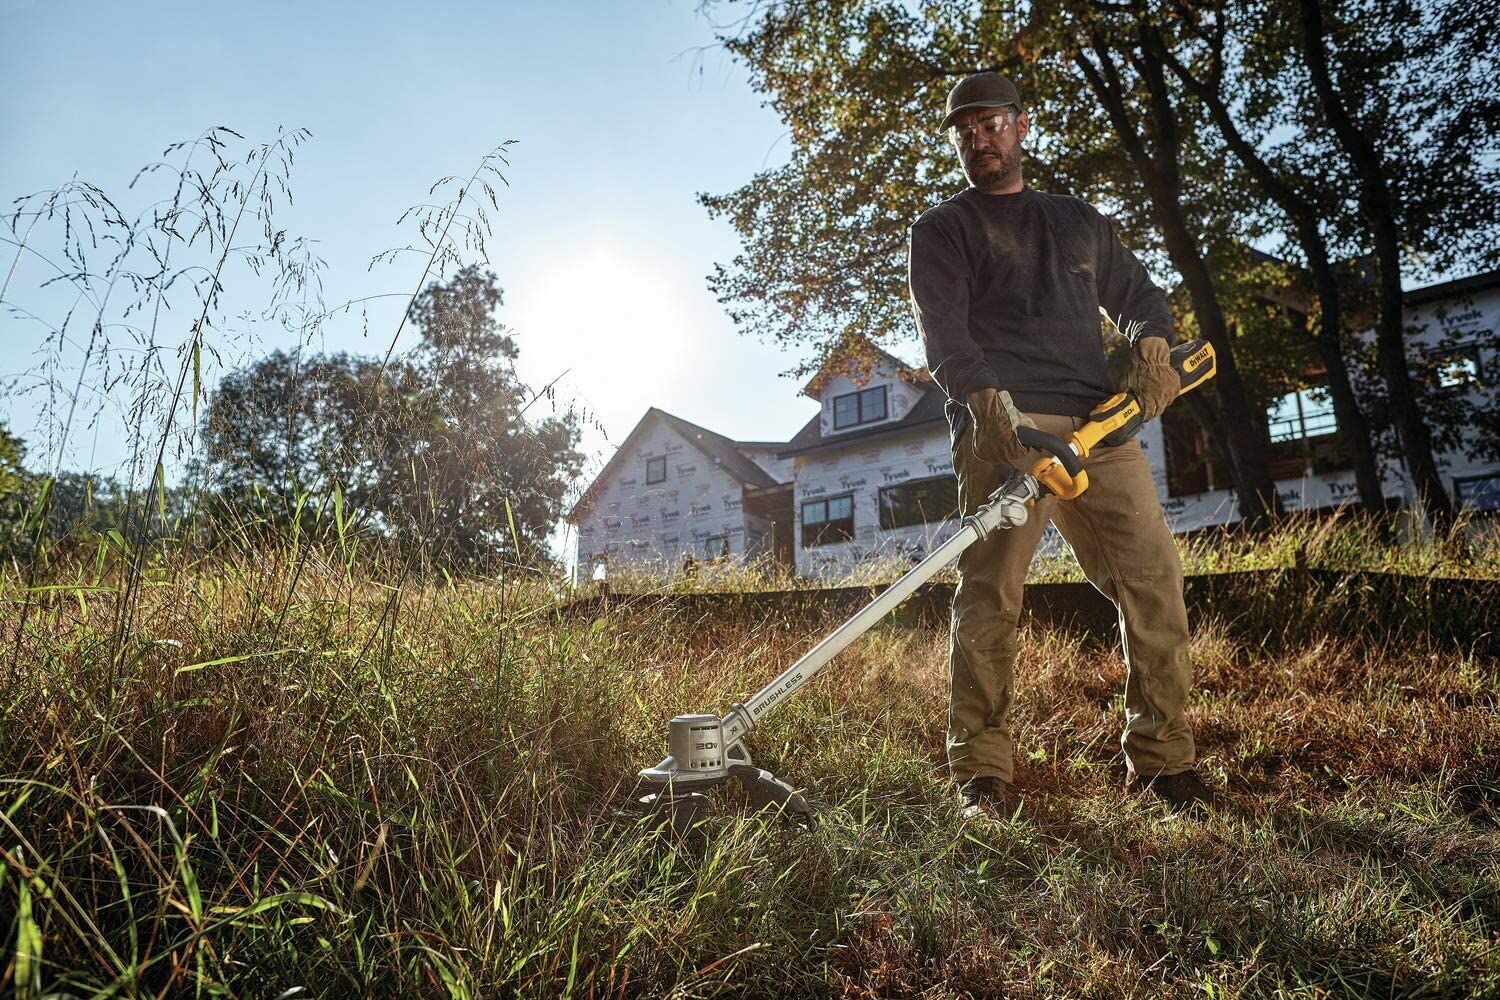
(1005, 166)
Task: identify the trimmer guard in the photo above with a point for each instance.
(677, 783)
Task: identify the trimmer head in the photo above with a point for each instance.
(699, 761)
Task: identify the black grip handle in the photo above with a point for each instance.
(1053, 445)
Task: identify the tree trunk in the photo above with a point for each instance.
(1352, 425)
(1346, 410)
(1375, 204)
(1244, 432)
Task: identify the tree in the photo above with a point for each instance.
(40, 513)
(81, 506)
(1160, 133)
(1407, 93)
(434, 447)
(13, 484)
(860, 85)
(475, 475)
(1422, 79)
(284, 423)
(1206, 31)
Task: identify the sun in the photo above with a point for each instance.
(607, 316)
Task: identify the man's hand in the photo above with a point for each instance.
(995, 422)
(1152, 378)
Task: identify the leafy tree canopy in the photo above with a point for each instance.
(12, 488)
(434, 448)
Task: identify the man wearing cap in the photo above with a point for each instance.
(1007, 283)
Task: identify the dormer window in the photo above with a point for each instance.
(855, 408)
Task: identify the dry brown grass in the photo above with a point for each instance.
(364, 790)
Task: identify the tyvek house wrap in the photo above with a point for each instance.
(697, 508)
(1451, 325)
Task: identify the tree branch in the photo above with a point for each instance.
(1148, 64)
(1114, 103)
(1211, 96)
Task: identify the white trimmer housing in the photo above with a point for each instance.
(695, 745)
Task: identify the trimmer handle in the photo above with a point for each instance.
(1117, 420)
(1053, 445)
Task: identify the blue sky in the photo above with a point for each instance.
(620, 116)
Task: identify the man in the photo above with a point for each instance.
(1007, 283)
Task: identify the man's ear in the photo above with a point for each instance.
(1023, 125)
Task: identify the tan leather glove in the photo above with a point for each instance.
(1152, 378)
(995, 422)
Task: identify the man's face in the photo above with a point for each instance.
(991, 158)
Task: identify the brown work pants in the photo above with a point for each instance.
(1118, 532)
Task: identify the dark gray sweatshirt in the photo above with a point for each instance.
(1007, 289)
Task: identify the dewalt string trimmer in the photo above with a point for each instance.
(705, 750)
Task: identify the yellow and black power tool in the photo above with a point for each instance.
(1118, 419)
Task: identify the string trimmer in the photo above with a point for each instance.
(705, 751)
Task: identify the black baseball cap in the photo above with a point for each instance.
(982, 90)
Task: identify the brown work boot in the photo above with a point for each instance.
(1183, 792)
(988, 796)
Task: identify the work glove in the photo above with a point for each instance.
(1152, 378)
(996, 420)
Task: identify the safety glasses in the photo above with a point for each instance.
(993, 126)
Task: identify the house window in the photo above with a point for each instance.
(1304, 435)
(1478, 492)
(715, 546)
(855, 408)
(656, 470)
(1458, 368)
(827, 521)
(921, 501)
(1306, 413)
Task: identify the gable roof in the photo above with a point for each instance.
(724, 452)
(1458, 286)
(925, 412)
(858, 357)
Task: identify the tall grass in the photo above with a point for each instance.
(1351, 542)
(427, 793)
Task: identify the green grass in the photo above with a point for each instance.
(423, 790)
